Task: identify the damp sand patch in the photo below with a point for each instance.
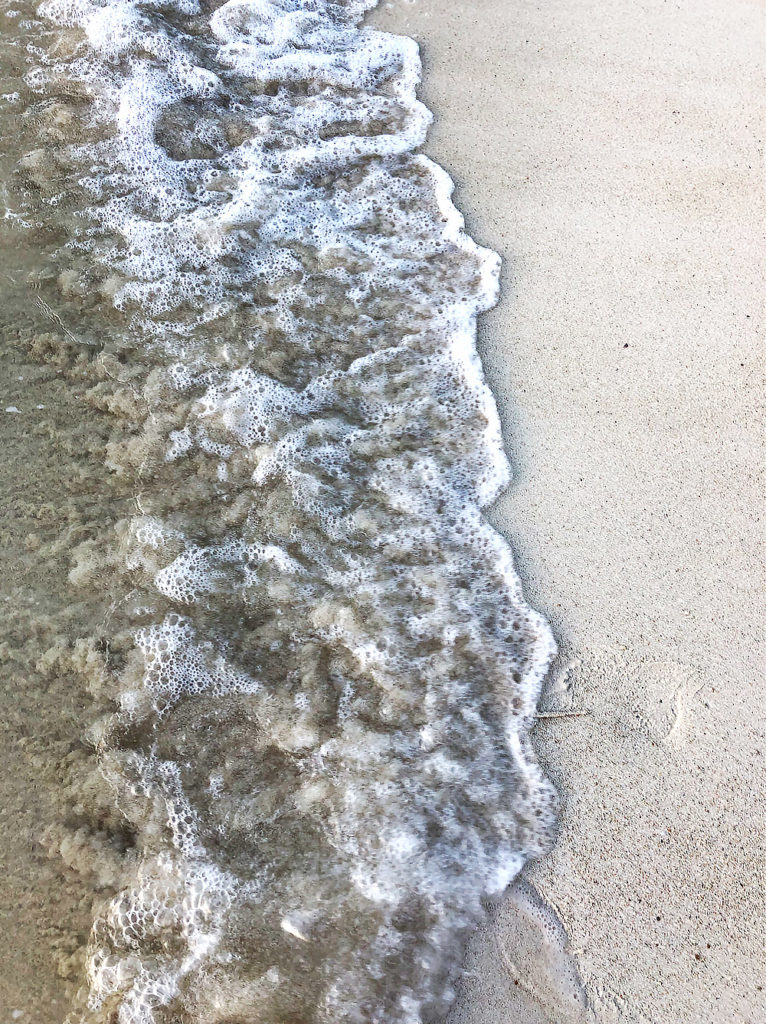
(60, 838)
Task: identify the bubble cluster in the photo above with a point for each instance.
(320, 736)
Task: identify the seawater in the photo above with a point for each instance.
(316, 671)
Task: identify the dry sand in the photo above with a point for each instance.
(610, 153)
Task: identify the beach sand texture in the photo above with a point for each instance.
(611, 154)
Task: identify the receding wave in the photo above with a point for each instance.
(320, 669)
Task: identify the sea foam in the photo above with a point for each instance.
(319, 735)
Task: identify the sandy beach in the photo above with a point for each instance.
(610, 153)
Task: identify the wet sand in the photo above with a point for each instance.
(611, 155)
(52, 499)
(57, 856)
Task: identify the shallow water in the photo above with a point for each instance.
(310, 670)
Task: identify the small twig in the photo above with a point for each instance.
(53, 315)
(561, 714)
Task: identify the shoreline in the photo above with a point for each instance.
(611, 158)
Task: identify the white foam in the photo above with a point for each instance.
(321, 739)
